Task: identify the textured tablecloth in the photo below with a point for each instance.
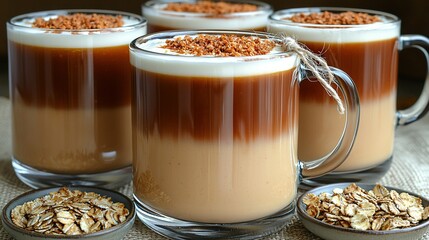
(410, 171)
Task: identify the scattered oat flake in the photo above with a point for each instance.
(376, 209)
(220, 45)
(79, 21)
(68, 212)
(330, 18)
(210, 7)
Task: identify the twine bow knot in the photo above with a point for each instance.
(317, 65)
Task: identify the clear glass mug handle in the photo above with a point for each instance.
(421, 107)
(332, 160)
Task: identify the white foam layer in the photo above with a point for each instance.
(356, 33)
(160, 60)
(23, 33)
(244, 21)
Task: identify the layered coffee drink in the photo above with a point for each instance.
(70, 88)
(233, 14)
(365, 45)
(214, 127)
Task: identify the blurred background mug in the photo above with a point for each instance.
(232, 14)
(70, 91)
(215, 138)
(369, 54)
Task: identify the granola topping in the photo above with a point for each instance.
(220, 45)
(80, 21)
(68, 212)
(210, 7)
(330, 18)
(376, 209)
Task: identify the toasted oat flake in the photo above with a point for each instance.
(360, 221)
(352, 188)
(338, 200)
(310, 199)
(337, 191)
(380, 191)
(387, 225)
(415, 212)
(425, 214)
(313, 211)
(350, 210)
(377, 223)
(376, 209)
(67, 212)
(400, 223)
(323, 196)
(366, 208)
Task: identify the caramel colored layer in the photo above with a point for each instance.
(71, 78)
(243, 108)
(371, 65)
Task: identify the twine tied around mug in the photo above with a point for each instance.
(317, 65)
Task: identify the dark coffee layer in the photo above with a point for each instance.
(371, 65)
(70, 77)
(243, 108)
(152, 28)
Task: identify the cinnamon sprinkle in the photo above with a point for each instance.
(220, 45)
(79, 21)
(329, 18)
(209, 7)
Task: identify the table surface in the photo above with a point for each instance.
(409, 171)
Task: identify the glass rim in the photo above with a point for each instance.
(263, 8)
(173, 33)
(141, 21)
(277, 16)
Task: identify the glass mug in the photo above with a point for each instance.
(162, 20)
(369, 54)
(215, 139)
(71, 101)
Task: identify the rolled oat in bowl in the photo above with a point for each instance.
(376, 209)
(363, 212)
(69, 213)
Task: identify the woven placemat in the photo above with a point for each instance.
(410, 171)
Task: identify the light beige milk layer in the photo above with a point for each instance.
(374, 141)
(72, 141)
(216, 182)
